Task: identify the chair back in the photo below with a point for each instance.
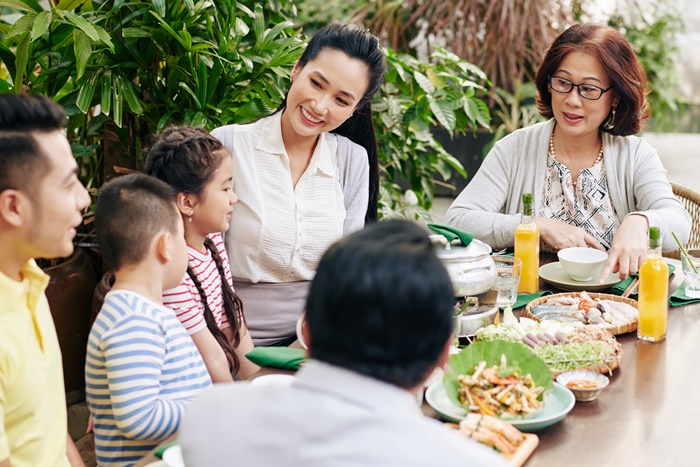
(691, 202)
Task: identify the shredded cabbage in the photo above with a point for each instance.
(580, 354)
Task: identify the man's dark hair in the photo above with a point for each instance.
(381, 304)
(131, 210)
(22, 162)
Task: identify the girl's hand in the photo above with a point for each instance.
(629, 248)
(560, 235)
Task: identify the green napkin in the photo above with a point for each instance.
(525, 298)
(679, 297)
(620, 287)
(452, 234)
(159, 452)
(277, 357)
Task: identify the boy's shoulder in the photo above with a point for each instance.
(121, 305)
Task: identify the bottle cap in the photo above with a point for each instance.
(527, 198)
(654, 233)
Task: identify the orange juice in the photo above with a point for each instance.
(653, 292)
(527, 248)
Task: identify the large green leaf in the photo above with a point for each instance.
(129, 94)
(23, 25)
(87, 91)
(22, 5)
(21, 60)
(106, 95)
(444, 114)
(518, 357)
(424, 83)
(81, 23)
(41, 24)
(83, 50)
(70, 5)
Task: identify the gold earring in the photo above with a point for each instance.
(610, 122)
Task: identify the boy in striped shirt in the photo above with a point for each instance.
(142, 368)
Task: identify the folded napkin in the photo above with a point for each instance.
(620, 287)
(277, 357)
(679, 297)
(525, 298)
(452, 234)
(159, 452)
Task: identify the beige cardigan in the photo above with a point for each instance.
(489, 205)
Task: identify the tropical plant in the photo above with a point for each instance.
(417, 96)
(124, 70)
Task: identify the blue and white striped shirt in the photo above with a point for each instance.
(141, 372)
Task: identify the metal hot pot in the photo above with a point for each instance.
(471, 268)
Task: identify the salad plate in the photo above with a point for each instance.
(554, 274)
(557, 403)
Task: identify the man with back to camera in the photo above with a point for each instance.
(378, 322)
(41, 200)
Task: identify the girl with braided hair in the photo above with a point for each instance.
(200, 169)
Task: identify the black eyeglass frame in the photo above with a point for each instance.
(578, 88)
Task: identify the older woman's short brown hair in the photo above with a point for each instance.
(616, 56)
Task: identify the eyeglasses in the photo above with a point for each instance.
(587, 91)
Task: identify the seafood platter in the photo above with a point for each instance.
(615, 314)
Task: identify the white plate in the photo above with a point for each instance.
(557, 403)
(173, 456)
(554, 274)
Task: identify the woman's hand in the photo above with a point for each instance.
(628, 249)
(560, 235)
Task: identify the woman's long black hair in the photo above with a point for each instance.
(359, 44)
(186, 158)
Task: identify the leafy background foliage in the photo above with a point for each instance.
(124, 70)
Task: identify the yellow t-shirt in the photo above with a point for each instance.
(33, 423)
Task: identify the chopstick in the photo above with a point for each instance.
(632, 288)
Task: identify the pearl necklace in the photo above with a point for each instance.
(552, 153)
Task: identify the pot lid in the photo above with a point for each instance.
(476, 249)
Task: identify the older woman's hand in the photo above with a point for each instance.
(629, 248)
(560, 235)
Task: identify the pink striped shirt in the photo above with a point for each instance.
(185, 299)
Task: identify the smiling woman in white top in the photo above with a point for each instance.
(305, 176)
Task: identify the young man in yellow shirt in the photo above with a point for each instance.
(41, 200)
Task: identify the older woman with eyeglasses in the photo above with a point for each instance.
(594, 184)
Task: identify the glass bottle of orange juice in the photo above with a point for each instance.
(527, 248)
(653, 292)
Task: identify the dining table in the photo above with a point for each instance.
(648, 414)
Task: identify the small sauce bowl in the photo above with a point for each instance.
(586, 385)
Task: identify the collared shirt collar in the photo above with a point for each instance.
(34, 282)
(271, 142)
(359, 389)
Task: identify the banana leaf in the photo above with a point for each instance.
(518, 358)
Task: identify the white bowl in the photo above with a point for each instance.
(275, 379)
(582, 263)
(584, 394)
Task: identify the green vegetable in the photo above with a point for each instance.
(581, 354)
(518, 358)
